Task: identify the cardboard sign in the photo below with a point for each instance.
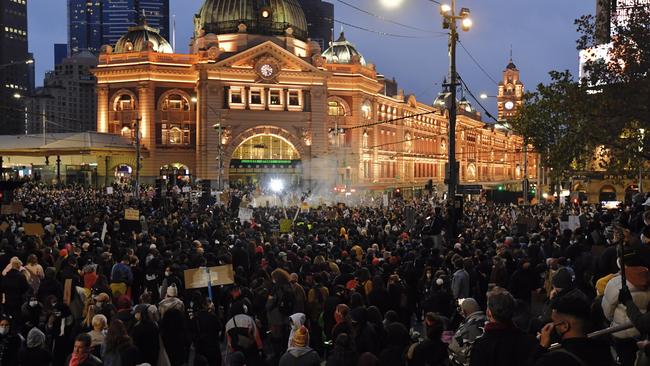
(574, 222)
(198, 277)
(304, 207)
(245, 214)
(34, 229)
(13, 209)
(4, 226)
(67, 291)
(109, 190)
(131, 214)
(186, 189)
(285, 225)
(385, 200)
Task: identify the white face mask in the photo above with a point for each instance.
(168, 274)
(33, 303)
(4, 330)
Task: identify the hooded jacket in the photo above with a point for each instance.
(637, 282)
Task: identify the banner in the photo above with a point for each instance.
(245, 214)
(285, 225)
(131, 214)
(198, 277)
(109, 190)
(34, 229)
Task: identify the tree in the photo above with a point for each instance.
(552, 121)
(618, 102)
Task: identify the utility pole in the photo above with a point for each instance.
(449, 22)
(137, 157)
(218, 127)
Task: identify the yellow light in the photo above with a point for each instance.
(467, 24)
(445, 8)
(265, 14)
(391, 4)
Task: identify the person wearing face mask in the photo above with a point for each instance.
(169, 280)
(9, 343)
(570, 318)
(146, 335)
(31, 313)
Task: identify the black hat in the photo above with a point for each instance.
(562, 279)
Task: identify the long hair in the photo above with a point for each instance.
(116, 336)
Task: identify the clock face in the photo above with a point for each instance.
(509, 105)
(266, 70)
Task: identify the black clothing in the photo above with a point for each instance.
(591, 352)
(502, 345)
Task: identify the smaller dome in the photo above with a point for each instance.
(511, 66)
(343, 52)
(465, 105)
(443, 100)
(138, 38)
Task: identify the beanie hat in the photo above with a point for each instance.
(172, 291)
(300, 338)
(562, 279)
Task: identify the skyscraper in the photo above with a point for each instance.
(320, 21)
(14, 67)
(60, 52)
(94, 23)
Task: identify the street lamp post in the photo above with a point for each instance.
(217, 126)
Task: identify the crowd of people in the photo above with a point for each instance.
(346, 286)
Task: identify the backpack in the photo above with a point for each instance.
(241, 339)
(286, 301)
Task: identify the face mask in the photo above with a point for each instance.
(4, 330)
(99, 304)
(33, 303)
(168, 274)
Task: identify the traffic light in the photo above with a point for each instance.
(501, 188)
(397, 192)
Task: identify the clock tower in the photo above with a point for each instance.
(511, 92)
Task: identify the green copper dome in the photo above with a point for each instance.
(138, 39)
(267, 17)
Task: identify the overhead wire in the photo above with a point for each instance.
(380, 32)
(478, 64)
(386, 19)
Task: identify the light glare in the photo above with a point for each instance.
(391, 4)
(276, 185)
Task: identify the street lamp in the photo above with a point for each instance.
(24, 62)
(17, 96)
(217, 127)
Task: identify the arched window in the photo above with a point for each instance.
(364, 140)
(124, 102)
(175, 102)
(335, 108)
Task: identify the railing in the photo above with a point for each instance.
(600, 333)
(175, 116)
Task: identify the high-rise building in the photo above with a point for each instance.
(67, 101)
(60, 52)
(94, 23)
(14, 67)
(119, 15)
(320, 21)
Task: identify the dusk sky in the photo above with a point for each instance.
(542, 35)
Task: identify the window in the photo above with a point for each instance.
(274, 97)
(294, 98)
(366, 110)
(126, 132)
(364, 140)
(235, 96)
(256, 97)
(124, 103)
(174, 135)
(335, 108)
(175, 102)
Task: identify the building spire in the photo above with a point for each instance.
(510, 53)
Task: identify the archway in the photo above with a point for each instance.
(263, 157)
(123, 173)
(607, 194)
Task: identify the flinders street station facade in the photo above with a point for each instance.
(255, 92)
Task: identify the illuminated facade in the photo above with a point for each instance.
(284, 109)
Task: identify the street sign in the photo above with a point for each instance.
(469, 189)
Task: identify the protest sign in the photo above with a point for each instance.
(219, 275)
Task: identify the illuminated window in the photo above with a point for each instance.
(335, 108)
(175, 102)
(266, 147)
(364, 141)
(274, 97)
(175, 135)
(126, 132)
(366, 110)
(124, 103)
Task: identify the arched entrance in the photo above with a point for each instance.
(261, 158)
(607, 194)
(175, 173)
